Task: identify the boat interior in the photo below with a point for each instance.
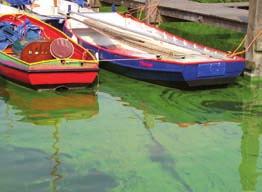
(32, 41)
(126, 42)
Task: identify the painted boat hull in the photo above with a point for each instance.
(76, 71)
(50, 79)
(165, 73)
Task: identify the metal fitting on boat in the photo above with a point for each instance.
(158, 56)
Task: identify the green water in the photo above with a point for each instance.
(131, 136)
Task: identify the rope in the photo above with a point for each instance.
(259, 33)
(141, 12)
(154, 9)
(240, 44)
(141, 7)
(133, 9)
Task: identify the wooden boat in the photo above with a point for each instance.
(37, 55)
(144, 52)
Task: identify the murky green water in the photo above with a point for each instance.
(132, 136)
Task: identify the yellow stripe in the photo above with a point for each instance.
(66, 60)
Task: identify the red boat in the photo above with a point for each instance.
(37, 55)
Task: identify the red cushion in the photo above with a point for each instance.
(61, 48)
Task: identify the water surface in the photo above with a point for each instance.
(131, 136)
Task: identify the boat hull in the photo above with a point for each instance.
(50, 79)
(172, 79)
(166, 73)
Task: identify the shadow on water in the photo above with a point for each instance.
(183, 107)
(42, 169)
(40, 174)
(94, 180)
(159, 154)
(240, 103)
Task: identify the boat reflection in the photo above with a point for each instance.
(184, 108)
(240, 103)
(250, 141)
(47, 108)
(55, 157)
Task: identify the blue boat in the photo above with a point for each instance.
(137, 50)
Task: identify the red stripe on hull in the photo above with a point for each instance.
(14, 74)
(50, 78)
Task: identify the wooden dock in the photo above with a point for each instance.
(229, 15)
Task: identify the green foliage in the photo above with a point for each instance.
(109, 9)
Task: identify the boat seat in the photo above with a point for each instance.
(37, 51)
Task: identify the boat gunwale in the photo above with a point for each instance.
(50, 70)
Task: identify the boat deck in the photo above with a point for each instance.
(125, 46)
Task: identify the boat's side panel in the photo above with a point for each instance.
(213, 70)
(14, 74)
(19, 72)
(49, 79)
(203, 74)
(62, 78)
(13, 69)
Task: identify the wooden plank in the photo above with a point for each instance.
(224, 15)
(254, 54)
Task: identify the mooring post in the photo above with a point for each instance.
(95, 4)
(151, 11)
(254, 32)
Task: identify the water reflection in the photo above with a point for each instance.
(138, 142)
(185, 108)
(48, 108)
(56, 176)
(240, 103)
(250, 143)
(248, 109)
(42, 108)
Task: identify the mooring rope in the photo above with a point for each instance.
(235, 53)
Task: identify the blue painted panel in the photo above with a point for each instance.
(211, 69)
